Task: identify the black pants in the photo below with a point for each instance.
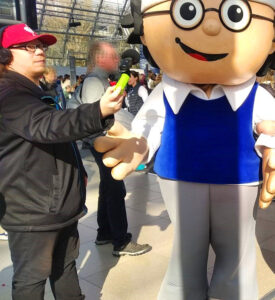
(111, 214)
(37, 256)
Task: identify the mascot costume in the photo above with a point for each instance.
(200, 122)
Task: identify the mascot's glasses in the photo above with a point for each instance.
(235, 15)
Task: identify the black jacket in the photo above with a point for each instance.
(41, 173)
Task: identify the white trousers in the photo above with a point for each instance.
(223, 216)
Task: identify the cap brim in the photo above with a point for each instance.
(47, 39)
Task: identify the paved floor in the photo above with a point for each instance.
(103, 276)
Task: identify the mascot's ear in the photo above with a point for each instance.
(127, 21)
(134, 20)
(269, 64)
(134, 39)
(149, 57)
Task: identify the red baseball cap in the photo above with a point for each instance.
(22, 33)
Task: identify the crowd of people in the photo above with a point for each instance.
(136, 92)
(138, 80)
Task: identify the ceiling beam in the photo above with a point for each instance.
(121, 14)
(53, 13)
(96, 18)
(79, 34)
(42, 15)
(80, 9)
(68, 28)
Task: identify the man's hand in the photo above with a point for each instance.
(268, 188)
(124, 150)
(111, 101)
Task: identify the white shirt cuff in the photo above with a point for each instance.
(264, 140)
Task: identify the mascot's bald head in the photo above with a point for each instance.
(135, 20)
(145, 4)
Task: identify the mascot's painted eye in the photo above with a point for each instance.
(187, 13)
(235, 14)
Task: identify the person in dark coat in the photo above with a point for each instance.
(42, 178)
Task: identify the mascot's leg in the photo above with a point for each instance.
(233, 218)
(188, 208)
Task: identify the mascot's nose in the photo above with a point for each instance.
(211, 26)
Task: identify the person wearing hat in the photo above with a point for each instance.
(42, 178)
(200, 122)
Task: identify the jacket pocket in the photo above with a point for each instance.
(55, 194)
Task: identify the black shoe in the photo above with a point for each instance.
(103, 240)
(107, 240)
(131, 249)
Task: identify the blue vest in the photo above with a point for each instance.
(207, 142)
(134, 100)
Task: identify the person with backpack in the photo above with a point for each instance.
(42, 178)
(111, 215)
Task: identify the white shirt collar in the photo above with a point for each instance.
(176, 92)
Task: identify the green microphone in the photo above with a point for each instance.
(128, 58)
(122, 82)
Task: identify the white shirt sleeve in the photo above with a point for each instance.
(142, 92)
(149, 121)
(264, 109)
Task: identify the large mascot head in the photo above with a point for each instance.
(206, 41)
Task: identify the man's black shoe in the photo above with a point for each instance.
(107, 240)
(100, 242)
(131, 249)
(103, 239)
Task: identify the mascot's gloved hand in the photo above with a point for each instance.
(268, 189)
(124, 151)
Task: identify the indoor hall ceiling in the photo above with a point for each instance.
(100, 20)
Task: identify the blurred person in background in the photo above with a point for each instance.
(112, 222)
(136, 94)
(142, 80)
(268, 82)
(151, 80)
(49, 81)
(51, 85)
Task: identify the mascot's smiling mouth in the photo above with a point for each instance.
(199, 55)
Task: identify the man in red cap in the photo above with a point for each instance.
(42, 179)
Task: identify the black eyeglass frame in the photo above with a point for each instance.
(43, 47)
(170, 11)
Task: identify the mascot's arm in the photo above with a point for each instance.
(268, 189)
(264, 108)
(124, 150)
